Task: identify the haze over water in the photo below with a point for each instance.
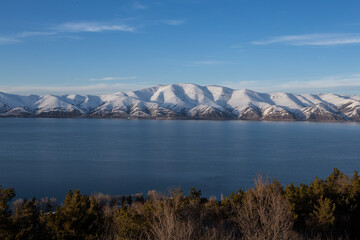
(47, 157)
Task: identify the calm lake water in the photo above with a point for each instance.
(47, 157)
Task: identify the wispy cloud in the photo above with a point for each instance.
(237, 46)
(327, 82)
(139, 6)
(31, 34)
(340, 84)
(101, 88)
(112, 78)
(91, 27)
(67, 28)
(4, 40)
(313, 39)
(172, 22)
(242, 84)
(208, 63)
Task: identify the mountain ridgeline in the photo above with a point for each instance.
(187, 101)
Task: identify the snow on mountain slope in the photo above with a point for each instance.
(86, 102)
(220, 95)
(249, 105)
(54, 106)
(11, 101)
(183, 96)
(288, 100)
(184, 101)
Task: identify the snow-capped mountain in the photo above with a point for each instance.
(187, 101)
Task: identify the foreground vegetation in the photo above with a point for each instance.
(324, 209)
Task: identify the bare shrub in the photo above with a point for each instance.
(153, 195)
(48, 204)
(264, 213)
(217, 234)
(102, 199)
(179, 217)
(17, 204)
(167, 222)
(109, 229)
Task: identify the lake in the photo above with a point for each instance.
(47, 157)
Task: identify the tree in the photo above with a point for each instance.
(6, 195)
(26, 221)
(129, 223)
(301, 204)
(237, 198)
(324, 214)
(79, 218)
(195, 194)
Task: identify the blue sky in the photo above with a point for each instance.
(83, 46)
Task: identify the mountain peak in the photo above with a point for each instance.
(186, 101)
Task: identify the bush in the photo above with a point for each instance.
(265, 213)
(323, 209)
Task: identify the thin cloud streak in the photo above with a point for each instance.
(173, 22)
(327, 84)
(209, 63)
(237, 46)
(312, 40)
(139, 6)
(31, 34)
(70, 27)
(4, 40)
(112, 78)
(82, 27)
(74, 27)
(242, 84)
(95, 89)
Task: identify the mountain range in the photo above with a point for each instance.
(186, 101)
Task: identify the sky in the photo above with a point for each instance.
(108, 46)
